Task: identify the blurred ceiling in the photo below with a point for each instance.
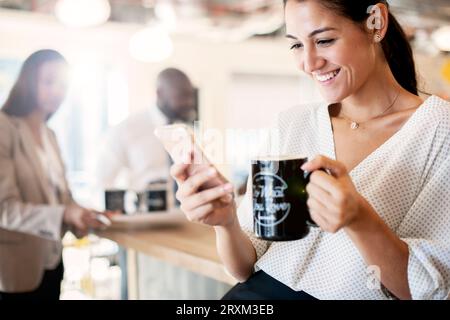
(430, 9)
(232, 19)
(138, 11)
(238, 19)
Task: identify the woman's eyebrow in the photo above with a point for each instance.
(312, 34)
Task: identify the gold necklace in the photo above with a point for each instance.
(355, 125)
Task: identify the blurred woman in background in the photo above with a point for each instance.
(36, 206)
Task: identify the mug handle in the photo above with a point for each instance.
(307, 175)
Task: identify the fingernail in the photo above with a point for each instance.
(212, 172)
(228, 187)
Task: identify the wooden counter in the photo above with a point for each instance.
(182, 243)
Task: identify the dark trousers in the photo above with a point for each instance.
(261, 286)
(49, 289)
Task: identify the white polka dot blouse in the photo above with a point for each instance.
(407, 182)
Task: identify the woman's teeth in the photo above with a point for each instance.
(327, 76)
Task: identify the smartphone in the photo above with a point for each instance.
(179, 141)
(104, 220)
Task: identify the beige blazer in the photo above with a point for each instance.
(30, 228)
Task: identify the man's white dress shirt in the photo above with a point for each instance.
(133, 147)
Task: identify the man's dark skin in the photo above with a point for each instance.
(176, 96)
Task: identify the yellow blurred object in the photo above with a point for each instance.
(83, 242)
(446, 71)
(69, 240)
(87, 285)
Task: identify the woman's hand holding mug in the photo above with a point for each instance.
(333, 200)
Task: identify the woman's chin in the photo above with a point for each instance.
(332, 97)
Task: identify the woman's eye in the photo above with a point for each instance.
(325, 42)
(296, 46)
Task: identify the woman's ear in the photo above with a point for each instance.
(377, 22)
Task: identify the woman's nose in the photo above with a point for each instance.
(311, 61)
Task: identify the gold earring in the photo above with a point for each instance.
(378, 36)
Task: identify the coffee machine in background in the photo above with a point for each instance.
(154, 197)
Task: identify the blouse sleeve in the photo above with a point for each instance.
(245, 216)
(426, 230)
(41, 220)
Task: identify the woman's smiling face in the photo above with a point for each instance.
(337, 53)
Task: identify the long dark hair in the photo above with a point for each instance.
(22, 99)
(395, 44)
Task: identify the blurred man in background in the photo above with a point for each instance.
(132, 148)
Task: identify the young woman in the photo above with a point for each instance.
(384, 210)
(35, 201)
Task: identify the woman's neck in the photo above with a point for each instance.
(36, 121)
(380, 92)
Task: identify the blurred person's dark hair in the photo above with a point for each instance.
(22, 99)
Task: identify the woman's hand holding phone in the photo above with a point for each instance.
(205, 196)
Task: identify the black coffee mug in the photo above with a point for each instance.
(115, 200)
(280, 212)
